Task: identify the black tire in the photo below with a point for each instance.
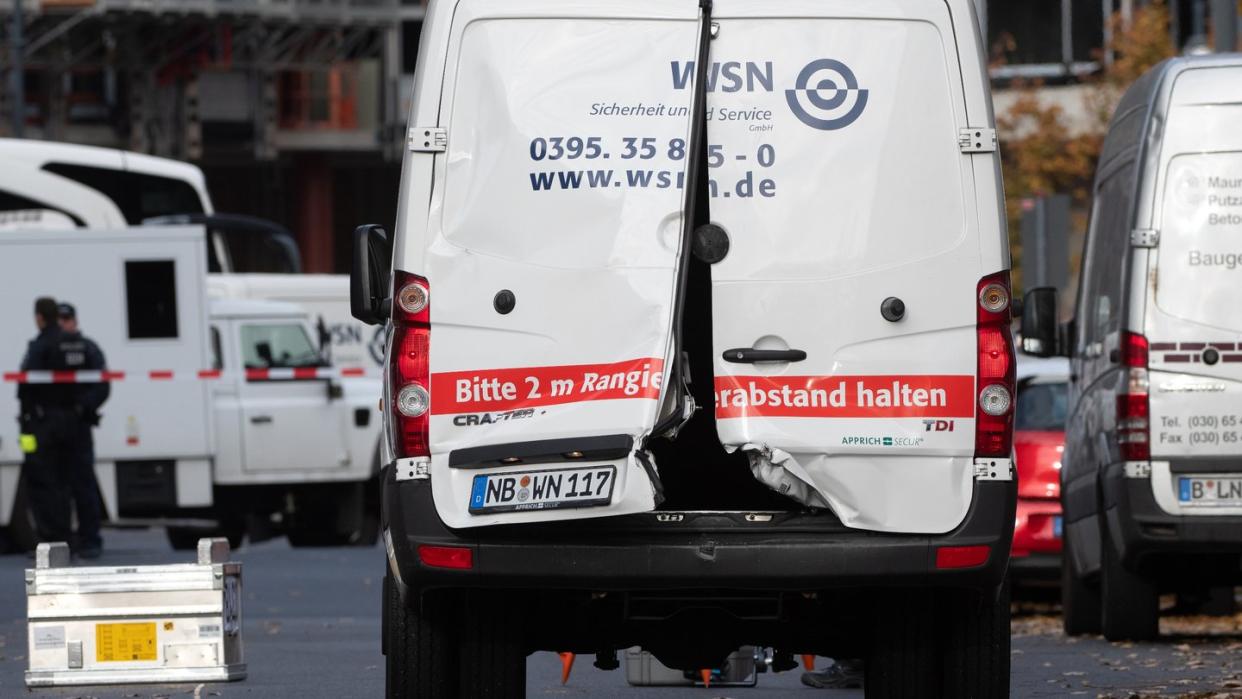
(186, 538)
(902, 658)
(1130, 604)
(1080, 598)
(419, 658)
(493, 650)
(976, 647)
(22, 533)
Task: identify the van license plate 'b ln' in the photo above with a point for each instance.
(542, 490)
(1208, 491)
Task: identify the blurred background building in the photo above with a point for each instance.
(295, 108)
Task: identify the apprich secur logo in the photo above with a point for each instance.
(831, 91)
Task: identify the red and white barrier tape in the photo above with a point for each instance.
(110, 376)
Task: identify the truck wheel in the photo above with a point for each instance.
(1080, 598)
(901, 661)
(418, 658)
(493, 650)
(976, 647)
(1131, 607)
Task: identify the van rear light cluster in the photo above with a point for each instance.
(409, 367)
(1133, 412)
(994, 369)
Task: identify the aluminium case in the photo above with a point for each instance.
(127, 624)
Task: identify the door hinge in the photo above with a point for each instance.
(993, 469)
(428, 139)
(978, 139)
(1144, 237)
(416, 469)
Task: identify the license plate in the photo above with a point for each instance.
(550, 489)
(1057, 526)
(1210, 491)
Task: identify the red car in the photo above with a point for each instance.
(1038, 442)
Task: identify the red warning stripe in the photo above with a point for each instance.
(941, 396)
(491, 390)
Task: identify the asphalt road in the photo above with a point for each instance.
(312, 621)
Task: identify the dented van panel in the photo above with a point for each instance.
(562, 187)
(860, 194)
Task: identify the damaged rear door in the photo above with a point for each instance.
(552, 255)
(843, 313)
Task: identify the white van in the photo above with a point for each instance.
(1152, 477)
(700, 339)
(221, 411)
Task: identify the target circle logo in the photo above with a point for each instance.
(826, 95)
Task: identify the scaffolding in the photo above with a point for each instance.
(144, 73)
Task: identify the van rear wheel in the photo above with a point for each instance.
(901, 662)
(1080, 598)
(1131, 607)
(419, 661)
(976, 650)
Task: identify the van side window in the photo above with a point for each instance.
(217, 355)
(151, 299)
(138, 196)
(1103, 268)
(16, 202)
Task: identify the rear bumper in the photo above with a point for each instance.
(704, 551)
(1139, 529)
(1035, 530)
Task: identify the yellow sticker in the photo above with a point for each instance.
(124, 642)
(28, 443)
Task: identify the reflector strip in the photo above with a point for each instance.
(961, 556)
(454, 557)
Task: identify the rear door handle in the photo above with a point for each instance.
(260, 419)
(746, 355)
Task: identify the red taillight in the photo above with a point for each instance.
(1133, 413)
(961, 556)
(409, 378)
(455, 557)
(994, 369)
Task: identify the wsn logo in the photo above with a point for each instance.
(831, 91)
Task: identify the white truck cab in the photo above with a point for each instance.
(224, 415)
(700, 339)
(1152, 477)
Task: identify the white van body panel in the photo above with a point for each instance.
(622, 242)
(885, 161)
(1191, 193)
(536, 73)
(142, 420)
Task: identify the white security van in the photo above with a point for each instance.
(1152, 476)
(44, 183)
(699, 339)
(221, 411)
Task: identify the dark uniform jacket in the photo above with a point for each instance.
(80, 353)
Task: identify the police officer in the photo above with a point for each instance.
(46, 413)
(81, 353)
